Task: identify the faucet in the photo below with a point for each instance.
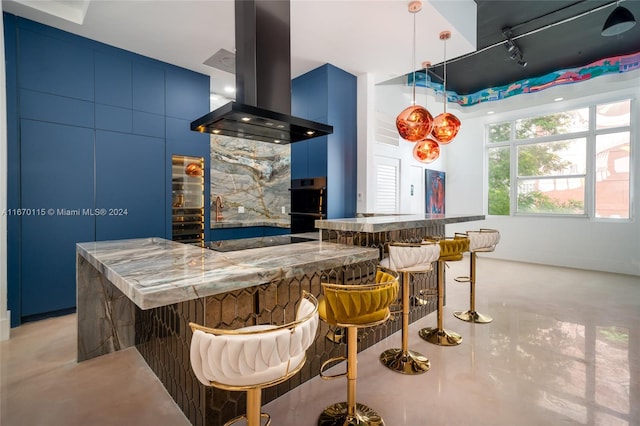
(219, 206)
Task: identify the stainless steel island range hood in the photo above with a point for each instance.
(262, 110)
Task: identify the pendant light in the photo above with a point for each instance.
(427, 150)
(414, 123)
(445, 125)
(620, 20)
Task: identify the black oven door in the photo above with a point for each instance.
(308, 203)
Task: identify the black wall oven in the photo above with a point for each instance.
(308, 203)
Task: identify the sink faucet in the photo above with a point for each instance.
(219, 206)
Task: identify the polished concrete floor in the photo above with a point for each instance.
(563, 349)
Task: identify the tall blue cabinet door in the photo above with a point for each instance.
(130, 195)
(56, 167)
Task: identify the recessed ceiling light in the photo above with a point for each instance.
(276, 140)
(246, 119)
(558, 99)
(490, 112)
(310, 132)
(216, 131)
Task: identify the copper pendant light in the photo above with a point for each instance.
(414, 123)
(445, 125)
(426, 151)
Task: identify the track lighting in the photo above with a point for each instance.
(514, 52)
(619, 21)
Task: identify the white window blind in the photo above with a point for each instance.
(386, 185)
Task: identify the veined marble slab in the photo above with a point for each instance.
(155, 272)
(393, 222)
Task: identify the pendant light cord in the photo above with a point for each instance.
(444, 81)
(413, 62)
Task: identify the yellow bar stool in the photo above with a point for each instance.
(408, 258)
(354, 307)
(451, 250)
(252, 358)
(482, 241)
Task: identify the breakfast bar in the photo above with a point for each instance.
(378, 230)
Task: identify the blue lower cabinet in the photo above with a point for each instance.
(273, 230)
(219, 234)
(130, 195)
(57, 185)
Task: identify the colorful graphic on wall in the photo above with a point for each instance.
(435, 191)
(614, 65)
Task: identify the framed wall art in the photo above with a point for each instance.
(435, 191)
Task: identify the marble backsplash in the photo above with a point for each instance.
(250, 174)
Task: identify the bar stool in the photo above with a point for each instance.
(482, 241)
(255, 357)
(354, 307)
(408, 258)
(451, 250)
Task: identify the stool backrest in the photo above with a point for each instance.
(483, 240)
(359, 305)
(452, 248)
(253, 356)
(412, 256)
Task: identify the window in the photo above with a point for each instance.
(570, 163)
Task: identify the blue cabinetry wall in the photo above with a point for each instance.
(90, 127)
(328, 95)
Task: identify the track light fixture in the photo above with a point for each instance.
(514, 52)
(618, 22)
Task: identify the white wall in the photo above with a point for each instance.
(571, 242)
(4, 314)
(390, 100)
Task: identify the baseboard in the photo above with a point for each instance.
(5, 326)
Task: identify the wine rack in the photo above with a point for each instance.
(187, 199)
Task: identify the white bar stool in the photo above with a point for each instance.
(408, 258)
(252, 358)
(482, 241)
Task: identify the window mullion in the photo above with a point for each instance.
(590, 180)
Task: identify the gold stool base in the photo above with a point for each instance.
(336, 415)
(440, 336)
(472, 316)
(406, 363)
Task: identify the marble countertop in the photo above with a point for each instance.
(393, 222)
(156, 272)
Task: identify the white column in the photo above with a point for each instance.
(366, 141)
(5, 321)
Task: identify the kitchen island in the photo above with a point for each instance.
(144, 292)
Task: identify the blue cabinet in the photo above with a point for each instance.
(328, 94)
(113, 77)
(130, 194)
(148, 88)
(219, 234)
(55, 66)
(91, 130)
(57, 185)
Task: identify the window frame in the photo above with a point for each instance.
(590, 135)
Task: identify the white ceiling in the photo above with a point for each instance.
(359, 36)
